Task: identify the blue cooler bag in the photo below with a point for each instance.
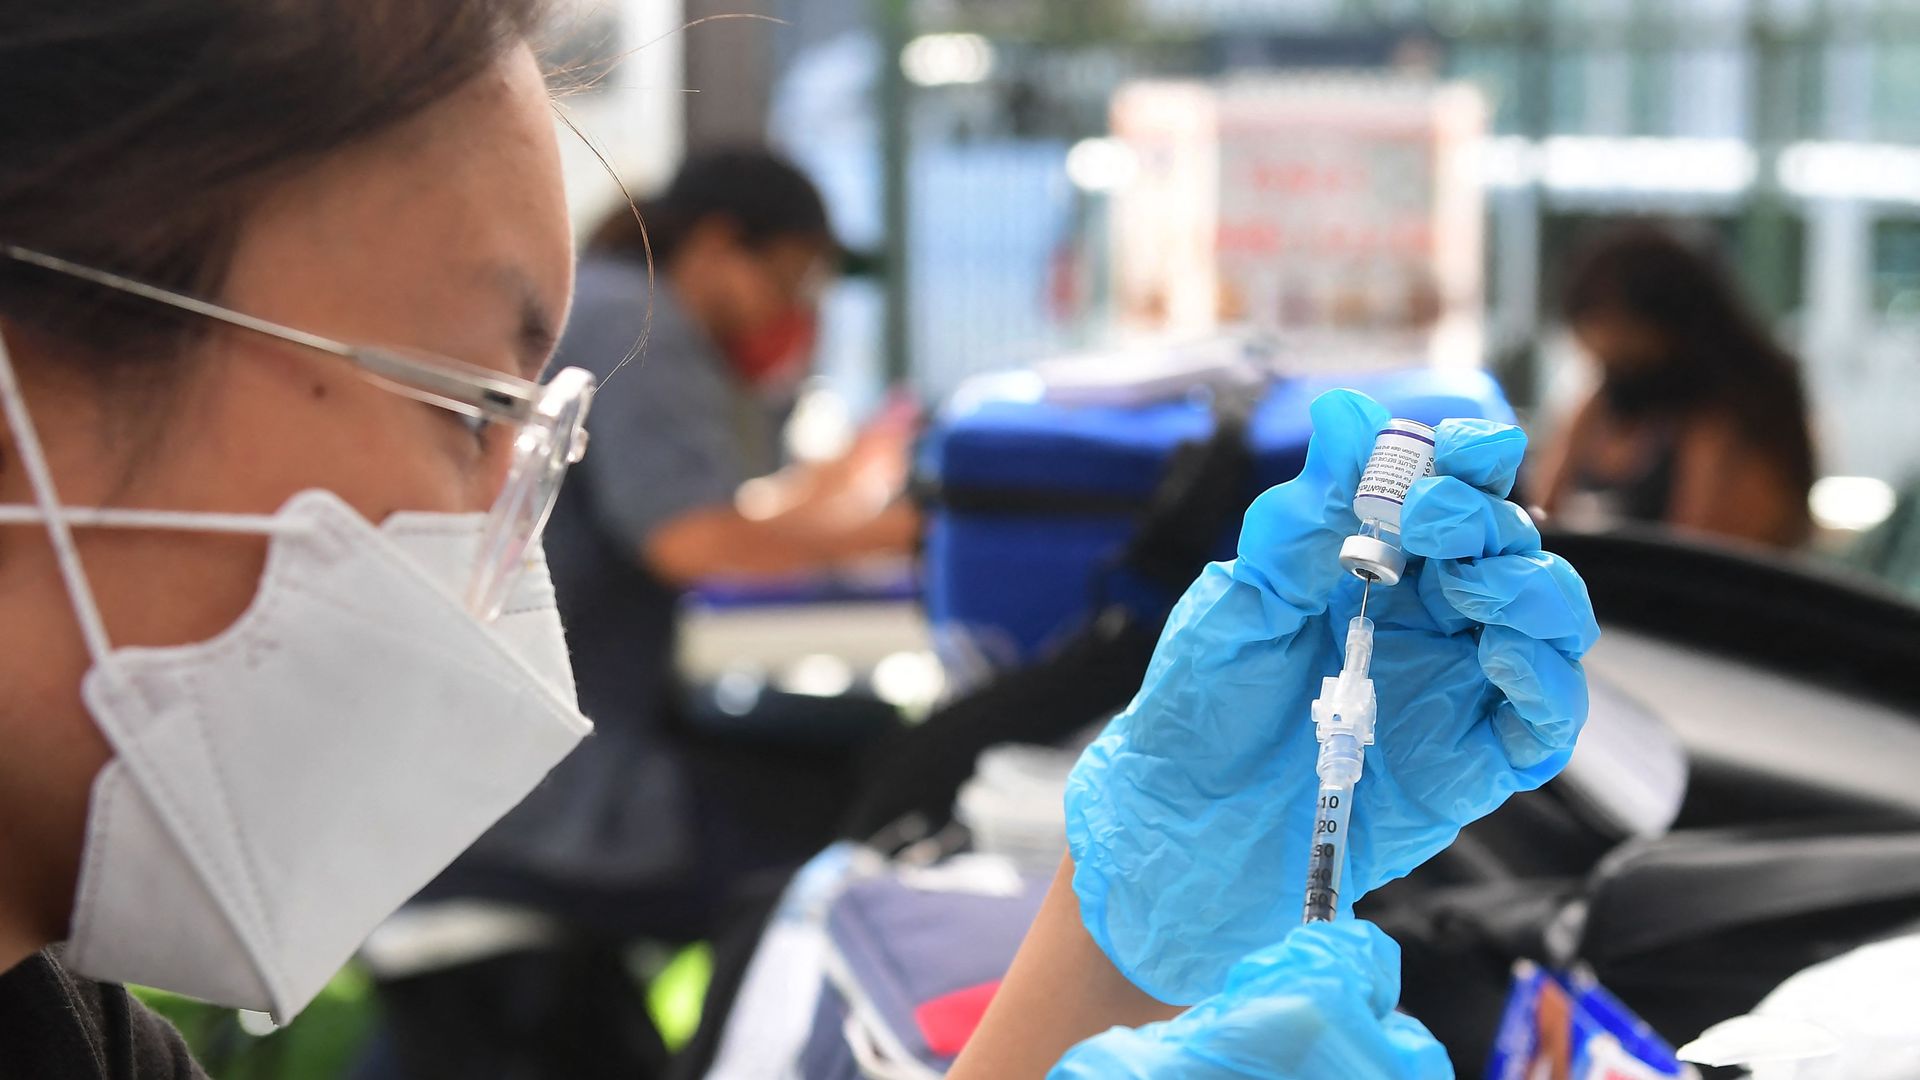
(1032, 504)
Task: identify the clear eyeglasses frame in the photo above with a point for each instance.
(548, 419)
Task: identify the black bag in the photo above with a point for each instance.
(1768, 872)
(570, 1011)
(1687, 930)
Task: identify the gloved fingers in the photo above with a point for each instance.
(1530, 761)
(1310, 1030)
(1290, 539)
(1446, 517)
(1217, 684)
(1119, 1053)
(1546, 695)
(1354, 953)
(1544, 686)
(1412, 1051)
(1345, 426)
(1431, 595)
(1537, 593)
(1484, 453)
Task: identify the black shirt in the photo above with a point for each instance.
(58, 1027)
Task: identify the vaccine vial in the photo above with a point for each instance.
(1402, 454)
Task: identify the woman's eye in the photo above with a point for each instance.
(479, 427)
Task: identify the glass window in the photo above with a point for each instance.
(1896, 270)
(1706, 91)
(1896, 91)
(1497, 71)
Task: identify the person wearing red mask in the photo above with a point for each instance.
(643, 832)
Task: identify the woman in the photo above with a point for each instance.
(230, 818)
(1699, 421)
(228, 757)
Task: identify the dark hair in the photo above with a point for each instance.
(760, 193)
(1645, 273)
(136, 133)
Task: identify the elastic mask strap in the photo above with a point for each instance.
(109, 517)
(27, 441)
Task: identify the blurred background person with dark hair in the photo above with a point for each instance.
(741, 250)
(1699, 419)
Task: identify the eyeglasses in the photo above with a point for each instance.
(549, 420)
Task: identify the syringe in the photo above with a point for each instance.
(1343, 718)
(1343, 715)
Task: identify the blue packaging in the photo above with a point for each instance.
(1572, 1026)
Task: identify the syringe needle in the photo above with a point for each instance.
(1364, 591)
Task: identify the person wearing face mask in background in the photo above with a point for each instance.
(1699, 421)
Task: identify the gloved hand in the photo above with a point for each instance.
(1190, 817)
(1317, 1006)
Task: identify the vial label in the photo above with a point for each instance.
(1398, 460)
(1400, 457)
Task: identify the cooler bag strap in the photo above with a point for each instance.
(918, 771)
(1091, 674)
(1206, 485)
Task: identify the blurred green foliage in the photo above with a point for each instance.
(322, 1043)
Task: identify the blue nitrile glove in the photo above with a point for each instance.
(1317, 1006)
(1191, 816)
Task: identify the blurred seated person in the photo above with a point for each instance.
(1699, 421)
(646, 827)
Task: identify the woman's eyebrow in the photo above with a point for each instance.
(537, 336)
(536, 331)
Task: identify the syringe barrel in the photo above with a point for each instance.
(1327, 858)
(1402, 453)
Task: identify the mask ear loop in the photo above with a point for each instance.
(27, 440)
(113, 517)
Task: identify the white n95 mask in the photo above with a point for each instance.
(279, 790)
